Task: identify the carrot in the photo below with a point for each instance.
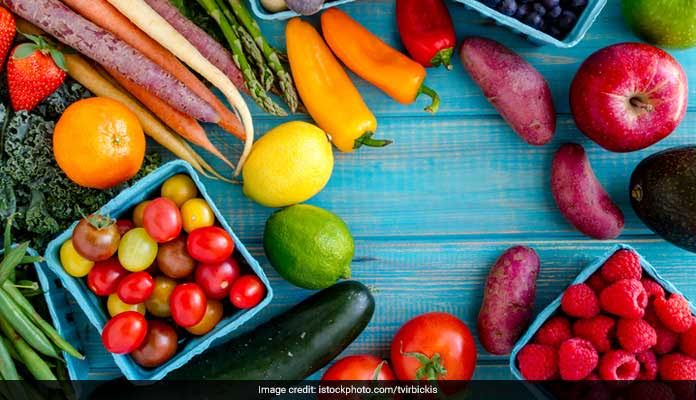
(104, 15)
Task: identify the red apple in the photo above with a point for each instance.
(629, 96)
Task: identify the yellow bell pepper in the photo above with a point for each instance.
(326, 90)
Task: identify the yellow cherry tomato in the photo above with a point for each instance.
(138, 213)
(213, 315)
(137, 250)
(196, 213)
(179, 188)
(115, 306)
(158, 302)
(73, 263)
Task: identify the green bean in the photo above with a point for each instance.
(7, 366)
(29, 332)
(29, 311)
(34, 363)
(10, 348)
(31, 259)
(64, 379)
(11, 260)
(7, 237)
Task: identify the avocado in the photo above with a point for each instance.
(663, 194)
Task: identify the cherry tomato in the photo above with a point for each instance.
(162, 220)
(210, 245)
(359, 368)
(187, 304)
(137, 250)
(158, 303)
(216, 279)
(213, 315)
(196, 213)
(96, 237)
(73, 263)
(136, 288)
(179, 188)
(138, 213)
(173, 259)
(124, 332)
(430, 334)
(115, 306)
(159, 345)
(124, 225)
(105, 276)
(247, 291)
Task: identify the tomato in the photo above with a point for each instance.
(359, 368)
(173, 259)
(213, 315)
(210, 245)
(187, 304)
(137, 250)
(136, 288)
(138, 213)
(116, 306)
(416, 344)
(124, 332)
(162, 220)
(96, 237)
(105, 276)
(247, 291)
(179, 188)
(216, 279)
(159, 345)
(124, 225)
(196, 213)
(73, 263)
(158, 303)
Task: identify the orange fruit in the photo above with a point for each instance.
(99, 143)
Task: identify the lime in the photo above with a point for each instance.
(310, 247)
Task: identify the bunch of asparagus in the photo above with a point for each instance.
(258, 61)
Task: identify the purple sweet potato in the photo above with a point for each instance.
(515, 88)
(508, 299)
(580, 197)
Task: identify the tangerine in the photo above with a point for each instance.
(99, 143)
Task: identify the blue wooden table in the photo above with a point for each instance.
(431, 213)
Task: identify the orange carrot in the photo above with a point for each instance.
(104, 15)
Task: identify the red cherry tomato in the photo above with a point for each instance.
(124, 332)
(210, 245)
(124, 225)
(216, 279)
(359, 368)
(136, 288)
(104, 277)
(162, 220)
(247, 291)
(187, 304)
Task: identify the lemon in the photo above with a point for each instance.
(288, 165)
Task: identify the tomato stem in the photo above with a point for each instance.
(431, 368)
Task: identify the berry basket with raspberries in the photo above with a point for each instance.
(619, 320)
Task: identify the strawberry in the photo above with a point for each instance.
(8, 28)
(34, 71)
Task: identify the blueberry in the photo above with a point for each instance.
(522, 11)
(555, 12)
(524, 1)
(491, 3)
(539, 9)
(549, 4)
(555, 32)
(534, 20)
(578, 3)
(567, 20)
(508, 7)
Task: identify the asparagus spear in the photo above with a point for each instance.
(285, 79)
(255, 89)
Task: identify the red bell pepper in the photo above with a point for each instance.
(427, 31)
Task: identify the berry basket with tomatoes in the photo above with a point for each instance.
(159, 273)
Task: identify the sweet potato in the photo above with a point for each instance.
(508, 299)
(514, 87)
(580, 197)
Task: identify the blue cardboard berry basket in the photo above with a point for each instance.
(262, 13)
(94, 308)
(583, 24)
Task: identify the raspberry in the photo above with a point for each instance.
(649, 391)
(580, 301)
(635, 335)
(554, 332)
(597, 283)
(619, 365)
(666, 339)
(593, 377)
(652, 288)
(598, 330)
(624, 264)
(677, 367)
(687, 342)
(674, 313)
(538, 362)
(576, 359)
(625, 298)
(648, 366)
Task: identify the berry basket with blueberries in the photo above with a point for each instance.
(562, 23)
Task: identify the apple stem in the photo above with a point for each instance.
(638, 103)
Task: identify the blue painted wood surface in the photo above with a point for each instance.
(431, 213)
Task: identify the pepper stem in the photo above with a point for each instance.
(443, 57)
(435, 105)
(367, 140)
